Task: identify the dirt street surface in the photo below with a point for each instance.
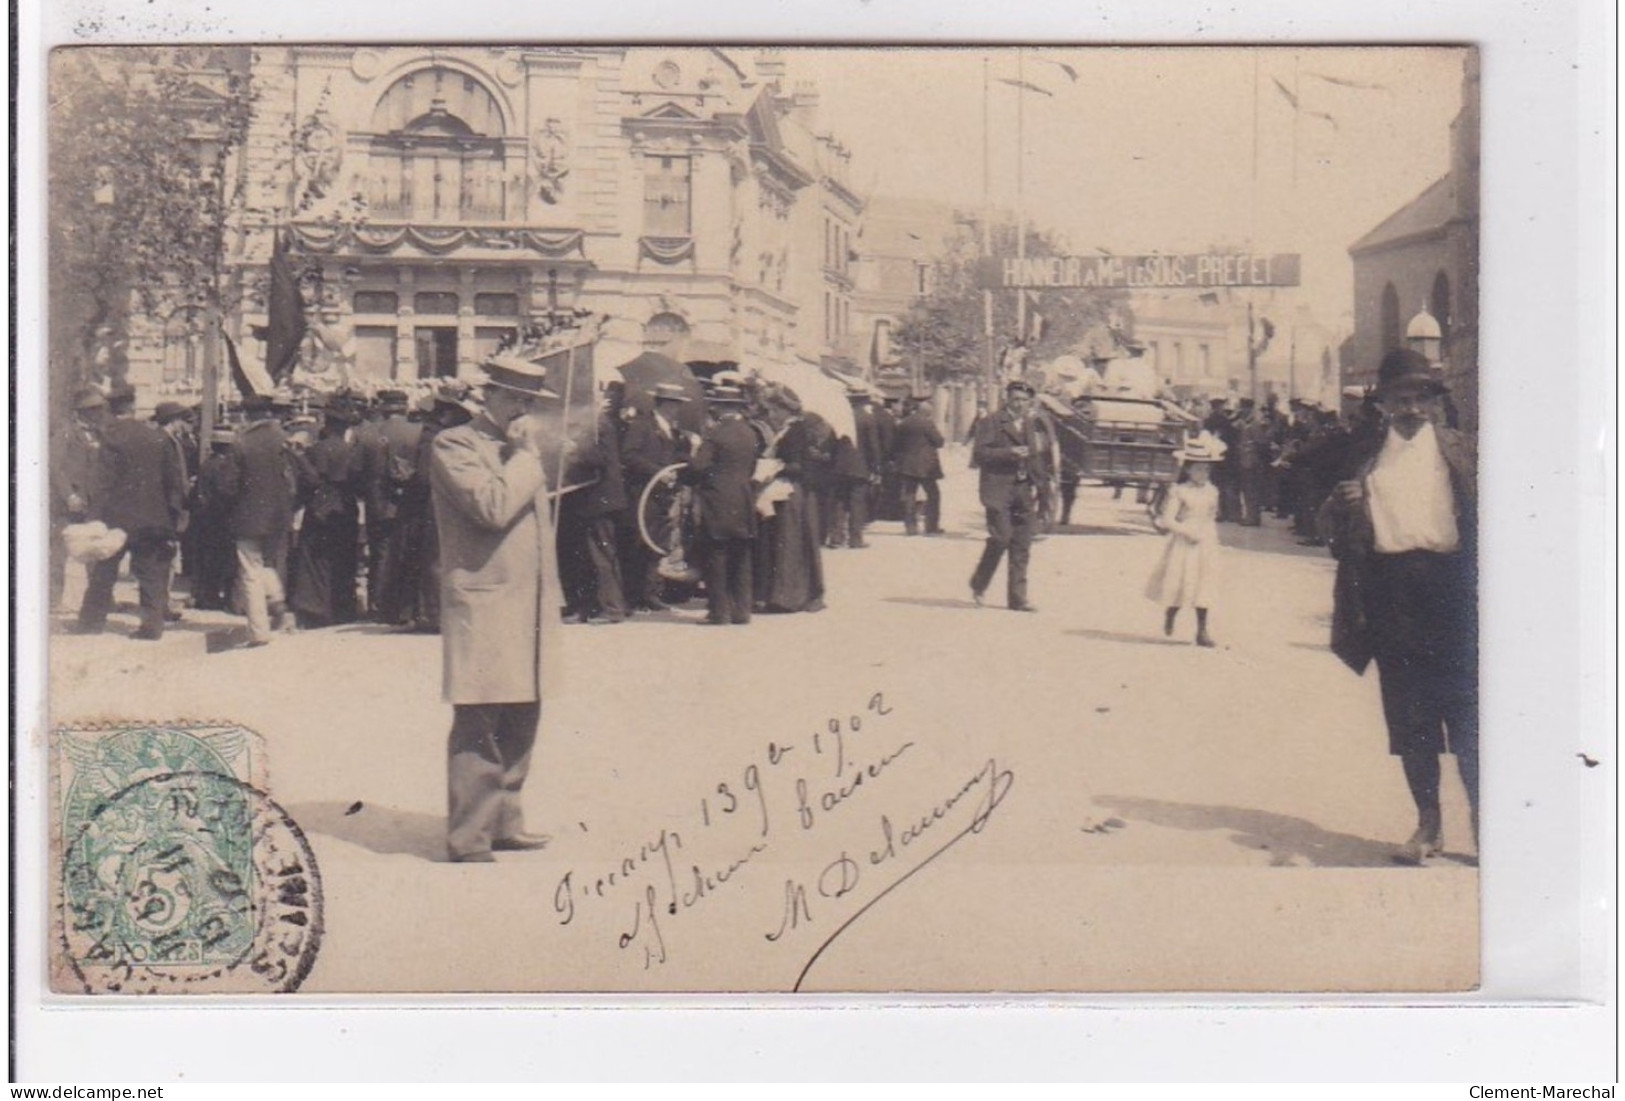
(903, 792)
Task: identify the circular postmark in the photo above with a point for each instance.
(190, 882)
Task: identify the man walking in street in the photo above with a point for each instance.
(1011, 463)
(488, 488)
(260, 484)
(142, 492)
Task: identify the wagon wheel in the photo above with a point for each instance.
(664, 519)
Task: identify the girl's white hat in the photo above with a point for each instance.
(1205, 448)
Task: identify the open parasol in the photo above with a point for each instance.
(651, 369)
(818, 393)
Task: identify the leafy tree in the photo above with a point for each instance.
(944, 329)
(141, 143)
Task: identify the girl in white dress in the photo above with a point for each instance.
(1187, 573)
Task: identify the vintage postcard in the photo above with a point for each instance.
(1069, 455)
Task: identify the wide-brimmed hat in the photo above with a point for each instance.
(1406, 369)
(1205, 448)
(455, 395)
(1019, 386)
(518, 374)
(259, 403)
(222, 437)
(668, 391)
(725, 395)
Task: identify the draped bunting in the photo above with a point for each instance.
(667, 250)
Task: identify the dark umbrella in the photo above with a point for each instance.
(651, 369)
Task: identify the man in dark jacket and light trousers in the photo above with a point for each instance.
(1403, 526)
(260, 484)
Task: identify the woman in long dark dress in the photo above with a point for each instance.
(322, 575)
(790, 566)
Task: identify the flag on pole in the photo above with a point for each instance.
(285, 309)
(1286, 94)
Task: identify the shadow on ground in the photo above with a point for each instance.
(1123, 636)
(933, 602)
(1288, 840)
(379, 828)
(1100, 529)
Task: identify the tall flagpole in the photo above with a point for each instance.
(1021, 209)
(987, 234)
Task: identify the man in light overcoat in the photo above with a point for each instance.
(490, 505)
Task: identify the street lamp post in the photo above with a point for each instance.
(1424, 335)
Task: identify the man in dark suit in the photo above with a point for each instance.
(919, 468)
(260, 484)
(396, 485)
(603, 512)
(857, 465)
(1011, 462)
(721, 469)
(1403, 526)
(649, 444)
(142, 492)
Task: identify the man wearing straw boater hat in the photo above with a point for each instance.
(488, 489)
(1403, 526)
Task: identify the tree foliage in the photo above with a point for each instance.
(141, 141)
(944, 329)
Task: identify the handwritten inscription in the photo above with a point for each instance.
(834, 783)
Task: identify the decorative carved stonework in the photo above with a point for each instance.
(510, 71)
(318, 151)
(550, 158)
(366, 64)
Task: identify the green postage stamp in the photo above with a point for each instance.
(176, 873)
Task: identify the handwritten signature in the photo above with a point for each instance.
(843, 875)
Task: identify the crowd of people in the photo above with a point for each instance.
(1283, 462)
(317, 511)
(326, 511)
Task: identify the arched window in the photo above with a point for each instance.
(1393, 333)
(183, 348)
(1439, 307)
(437, 151)
(663, 329)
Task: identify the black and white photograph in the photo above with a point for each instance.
(758, 520)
